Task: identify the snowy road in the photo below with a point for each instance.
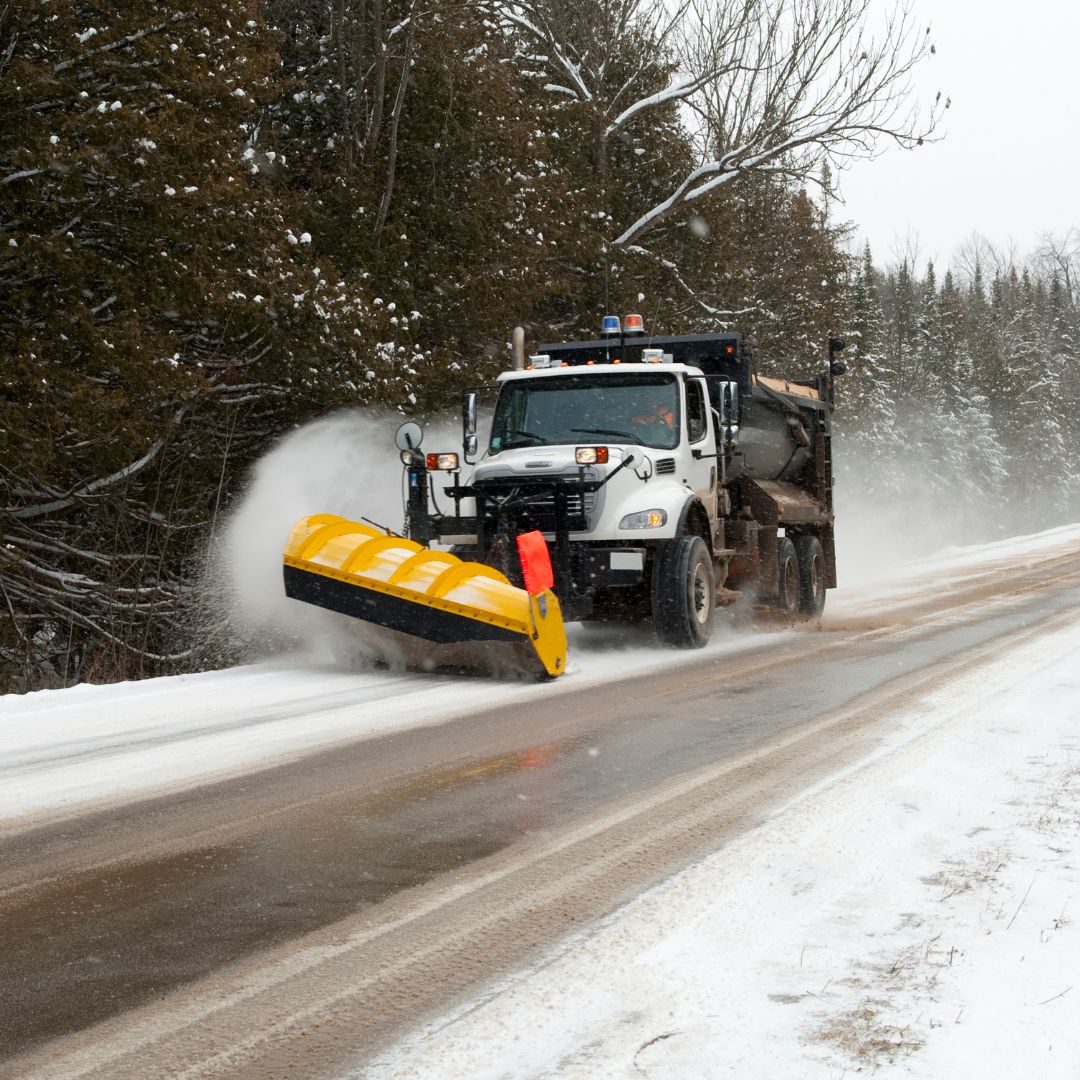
(165, 906)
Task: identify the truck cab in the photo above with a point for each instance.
(649, 422)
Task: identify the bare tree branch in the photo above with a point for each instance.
(123, 42)
(811, 81)
(26, 512)
(1061, 256)
(721, 316)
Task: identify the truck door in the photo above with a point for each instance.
(700, 472)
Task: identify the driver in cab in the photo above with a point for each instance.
(658, 413)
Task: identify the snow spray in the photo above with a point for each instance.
(890, 515)
(344, 464)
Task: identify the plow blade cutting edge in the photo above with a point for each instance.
(396, 583)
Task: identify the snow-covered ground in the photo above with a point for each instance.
(62, 750)
(915, 915)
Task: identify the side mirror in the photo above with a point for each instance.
(409, 436)
(468, 424)
(732, 392)
(729, 411)
(469, 414)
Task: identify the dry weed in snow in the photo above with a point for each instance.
(983, 894)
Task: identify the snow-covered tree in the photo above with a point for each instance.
(162, 309)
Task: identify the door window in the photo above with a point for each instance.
(697, 414)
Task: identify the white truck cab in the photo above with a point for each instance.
(645, 430)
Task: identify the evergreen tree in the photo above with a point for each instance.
(158, 314)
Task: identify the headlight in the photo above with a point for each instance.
(591, 455)
(644, 519)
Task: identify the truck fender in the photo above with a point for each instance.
(694, 521)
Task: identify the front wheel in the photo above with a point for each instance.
(683, 592)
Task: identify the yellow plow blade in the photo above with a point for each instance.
(359, 571)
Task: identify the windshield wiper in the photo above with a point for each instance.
(516, 437)
(628, 435)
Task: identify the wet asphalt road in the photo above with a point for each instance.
(114, 910)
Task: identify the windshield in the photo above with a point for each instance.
(634, 408)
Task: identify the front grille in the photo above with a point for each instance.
(665, 465)
(530, 504)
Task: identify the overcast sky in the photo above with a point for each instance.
(1009, 165)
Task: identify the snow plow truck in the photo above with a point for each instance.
(625, 479)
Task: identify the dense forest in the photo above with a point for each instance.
(221, 220)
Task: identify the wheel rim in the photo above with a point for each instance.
(700, 595)
(817, 579)
(791, 585)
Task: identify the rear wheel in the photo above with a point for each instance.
(788, 586)
(683, 592)
(811, 574)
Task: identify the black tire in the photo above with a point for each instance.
(788, 584)
(683, 592)
(811, 574)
